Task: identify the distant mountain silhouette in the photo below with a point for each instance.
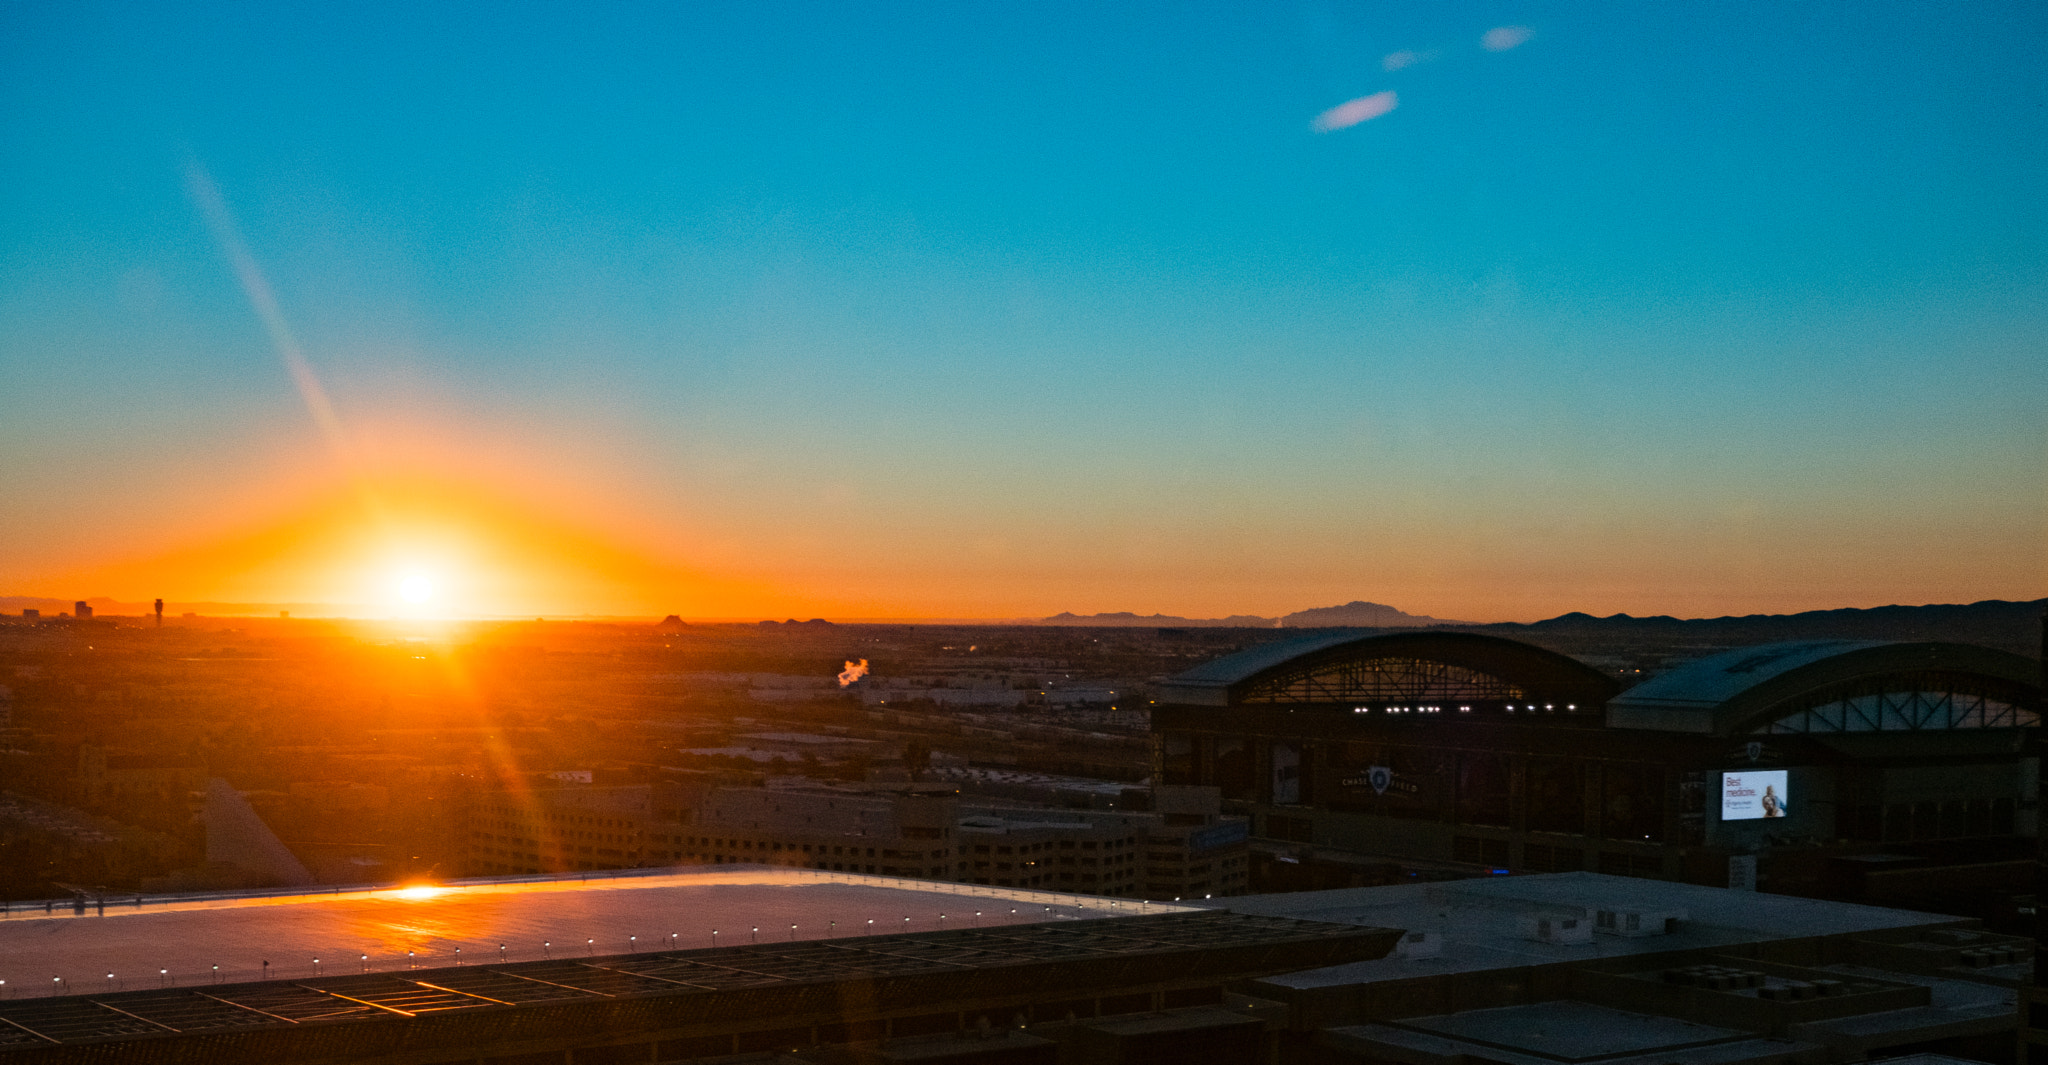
(2015, 626)
(1358, 614)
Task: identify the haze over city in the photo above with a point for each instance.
(1486, 311)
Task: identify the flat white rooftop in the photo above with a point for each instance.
(178, 942)
(1480, 922)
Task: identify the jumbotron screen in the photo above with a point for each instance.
(1753, 794)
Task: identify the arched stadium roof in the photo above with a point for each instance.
(1752, 688)
(1311, 665)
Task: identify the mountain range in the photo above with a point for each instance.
(1356, 614)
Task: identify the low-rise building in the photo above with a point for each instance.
(550, 830)
(1184, 848)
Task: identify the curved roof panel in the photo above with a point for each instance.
(1730, 692)
(1224, 681)
(1254, 660)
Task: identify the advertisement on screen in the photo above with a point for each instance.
(1752, 794)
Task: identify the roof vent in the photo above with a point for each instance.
(1633, 923)
(1416, 945)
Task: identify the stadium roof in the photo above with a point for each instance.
(1733, 692)
(1225, 681)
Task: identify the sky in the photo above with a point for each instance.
(1488, 311)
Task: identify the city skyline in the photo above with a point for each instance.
(1486, 311)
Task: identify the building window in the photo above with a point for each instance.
(1483, 789)
(1632, 801)
(1556, 796)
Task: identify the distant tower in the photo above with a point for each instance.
(81, 609)
(159, 613)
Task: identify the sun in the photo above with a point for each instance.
(416, 587)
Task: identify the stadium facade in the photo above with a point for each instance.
(1882, 771)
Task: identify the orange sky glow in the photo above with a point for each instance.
(678, 311)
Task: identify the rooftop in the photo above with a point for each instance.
(1479, 922)
(589, 992)
(532, 919)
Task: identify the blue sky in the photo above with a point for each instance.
(995, 310)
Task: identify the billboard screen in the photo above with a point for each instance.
(1752, 794)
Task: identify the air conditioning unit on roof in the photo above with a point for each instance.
(1558, 930)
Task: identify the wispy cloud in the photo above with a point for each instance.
(1502, 38)
(1352, 112)
(1404, 59)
